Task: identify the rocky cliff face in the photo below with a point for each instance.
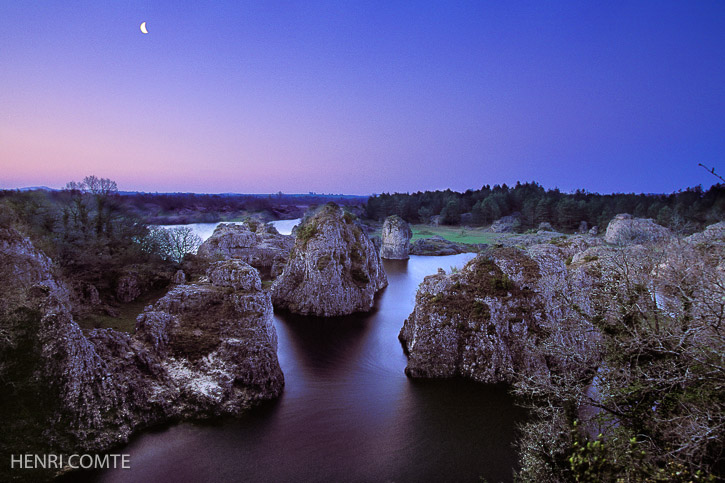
(216, 341)
(626, 230)
(333, 269)
(478, 322)
(255, 243)
(203, 349)
(486, 321)
(506, 224)
(396, 237)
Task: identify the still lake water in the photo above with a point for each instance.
(204, 230)
(348, 412)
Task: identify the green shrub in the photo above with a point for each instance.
(307, 231)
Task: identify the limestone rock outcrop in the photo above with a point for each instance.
(485, 321)
(258, 244)
(623, 229)
(713, 234)
(217, 342)
(506, 224)
(201, 350)
(396, 237)
(545, 226)
(476, 323)
(128, 287)
(235, 274)
(333, 269)
(179, 277)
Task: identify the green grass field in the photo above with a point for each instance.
(453, 233)
(127, 313)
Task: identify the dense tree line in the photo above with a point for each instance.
(686, 210)
(175, 208)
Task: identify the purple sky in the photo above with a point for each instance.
(361, 97)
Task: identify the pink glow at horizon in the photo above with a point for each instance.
(248, 97)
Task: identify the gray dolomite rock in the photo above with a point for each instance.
(396, 237)
(333, 269)
(257, 244)
(626, 230)
(484, 322)
(202, 350)
(476, 323)
(179, 277)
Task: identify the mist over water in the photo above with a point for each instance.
(348, 412)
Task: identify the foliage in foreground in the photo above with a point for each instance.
(85, 231)
(659, 399)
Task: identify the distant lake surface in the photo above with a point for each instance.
(348, 412)
(205, 230)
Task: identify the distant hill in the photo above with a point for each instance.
(37, 188)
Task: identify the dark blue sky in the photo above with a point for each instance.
(364, 96)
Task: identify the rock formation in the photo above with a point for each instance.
(333, 268)
(626, 230)
(545, 226)
(179, 277)
(477, 323)
(506, 224)
(203, 349)
(127, 288)
(257, 244)
(396, 237)
(713, 234)
(485, 321)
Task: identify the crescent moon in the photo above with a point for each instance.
(143, 28)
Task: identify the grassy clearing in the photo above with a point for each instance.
(127, 313)
(456, 234)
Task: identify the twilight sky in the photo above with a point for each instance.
(362, 96)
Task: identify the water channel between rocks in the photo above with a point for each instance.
(348, 412)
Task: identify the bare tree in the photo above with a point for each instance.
(173, 243)
(660, 383)
(711, 171)
(101, 189)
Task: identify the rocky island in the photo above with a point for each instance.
(395, 239)
(545, 317)
(204, 349)
(333, 268)
(258, 244)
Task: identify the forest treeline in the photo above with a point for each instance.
(686, 210)
(181, 208)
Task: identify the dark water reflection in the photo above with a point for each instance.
(348, 413)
